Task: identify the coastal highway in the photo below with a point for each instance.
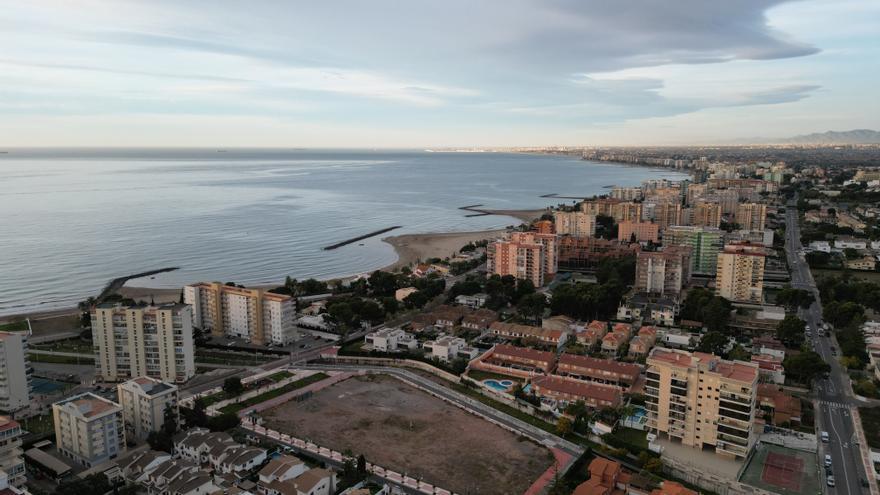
(835, 399)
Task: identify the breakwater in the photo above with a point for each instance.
(361, 237)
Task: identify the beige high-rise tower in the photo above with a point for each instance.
(740, 273)
(751, 216)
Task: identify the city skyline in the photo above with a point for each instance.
(432, 75)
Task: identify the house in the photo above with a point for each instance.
(672, 488)
(447, 348)
(866, 262)
(474, 301)
(639, 346)
(480, 319)
(403, 293)
(196, 444)
(647, 308)
(526, 332)
(677, 340)
(823, 246)
(568, 390)
(448, 316)
(624, 329)
(516, 361)
(161, 474)
(783, 407)
(591, 335)
(845, 242)
(391, 340)
(311, 482)
(601, 371)
(239, 459)
(612, 342)
(606, 478)
(282, 469)
(770, 368)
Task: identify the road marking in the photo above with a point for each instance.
(842, 461)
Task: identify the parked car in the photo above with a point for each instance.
(828, 460)
(824, 436)
(829, 480)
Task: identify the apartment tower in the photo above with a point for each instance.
(254, 314)
(663, 272)
(740, 273)
(133, 341)
(15, 372)
(751, 216)
(89, 429)
(705, 243)
(144, 401)
(525, 255)
(574, 223)
(702, 401)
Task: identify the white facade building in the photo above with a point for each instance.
(391, 340)
(11, 459)
(15, 372)
(143, 402)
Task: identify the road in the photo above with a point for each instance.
(835, 397)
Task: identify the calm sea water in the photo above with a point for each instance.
(70, 220)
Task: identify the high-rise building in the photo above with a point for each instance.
(525, 255)
(706, 215)
(11, 460)
(133, 341)
(15, 372)
(740, 273)
(666, 214)
(640, 231)
(575, 223)
(89, 429)
(600, 206)
(144, 401)
(705, 243)
(663, 272)
(627, 212)
(626, 193)
(701, 400)
(585, 253)
(253, 314)
(751, 216)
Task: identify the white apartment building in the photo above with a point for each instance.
(15, 372)
(253, 314)
(11, 458)
(89, 429)
(133, 341)
(144, 401)
(391, 340)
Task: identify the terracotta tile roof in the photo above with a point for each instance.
(523, 353)
(515, 329)
(558, 384)
(590, 363)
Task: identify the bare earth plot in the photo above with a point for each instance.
(404, 429)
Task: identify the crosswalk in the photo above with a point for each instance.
(834, 405)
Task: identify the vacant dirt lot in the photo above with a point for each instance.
(404, 429)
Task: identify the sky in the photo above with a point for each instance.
(451, 73)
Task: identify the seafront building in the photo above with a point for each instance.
(254, 314)
(665, 272)
(524, 255)
(144, 401)
(574, 223)
(707, 214)
(705, 243)
(11, 459)
(88, 429)
(15, 372)
(638, 232)
(702, 401)
(134, 341)
(740, 273)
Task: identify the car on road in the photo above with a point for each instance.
(833, 351)
(829, 481)
(824, 436)
(827, 460)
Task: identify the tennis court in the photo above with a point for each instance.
(782, 470)
(46, 387)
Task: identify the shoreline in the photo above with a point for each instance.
(409, 248)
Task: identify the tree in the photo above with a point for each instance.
(791, 331)
(531, 307)
(195, 417)
(169, 420)
(383, 283)
(390, 305)
(160, 440)
(851, 253)
(416, 300)
(563, 426)
(738, 353)
(713, 343)
(805, 366)
(362, 465)
(232, 386)
(794, 298)
(224, 422)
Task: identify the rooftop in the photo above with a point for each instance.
(523, 353)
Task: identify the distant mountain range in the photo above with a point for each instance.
(855, 136)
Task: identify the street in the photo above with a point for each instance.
(834, 394)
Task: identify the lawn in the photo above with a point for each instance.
(39, 424)
(48, 358)
(232, 358)
(69, 345)
(15, 326)
(234, 408)
(633, 437)
(480, 375)
(871, 425)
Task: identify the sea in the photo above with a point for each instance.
(72, 219)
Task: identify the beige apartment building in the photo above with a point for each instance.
(253, 314)
(525, 255)
(575, 223)
(144, 401)
(11, 459)
(740, 273)
(640, 231)
(88, 429)
(751, 216)
(702, 401)
(133, 341)
(667, 214)
(627, 211)
(706, 215)
(664, 272)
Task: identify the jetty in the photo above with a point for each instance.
(361, 237)
(477, 212)
(117, 283)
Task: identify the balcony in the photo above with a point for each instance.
(724, 414)
(738, 428)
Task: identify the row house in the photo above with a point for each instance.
(600, 371)
(568, 391)
(522, 362)
(515, 331)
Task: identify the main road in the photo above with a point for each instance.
(835, 397)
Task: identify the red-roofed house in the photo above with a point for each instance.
(606, 478)
(568, 390)
(601, 371)
(612, 342)
(672, 488)
(594, 331)
(515, 361)
(784, 408)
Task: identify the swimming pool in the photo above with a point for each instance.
(499, 385)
